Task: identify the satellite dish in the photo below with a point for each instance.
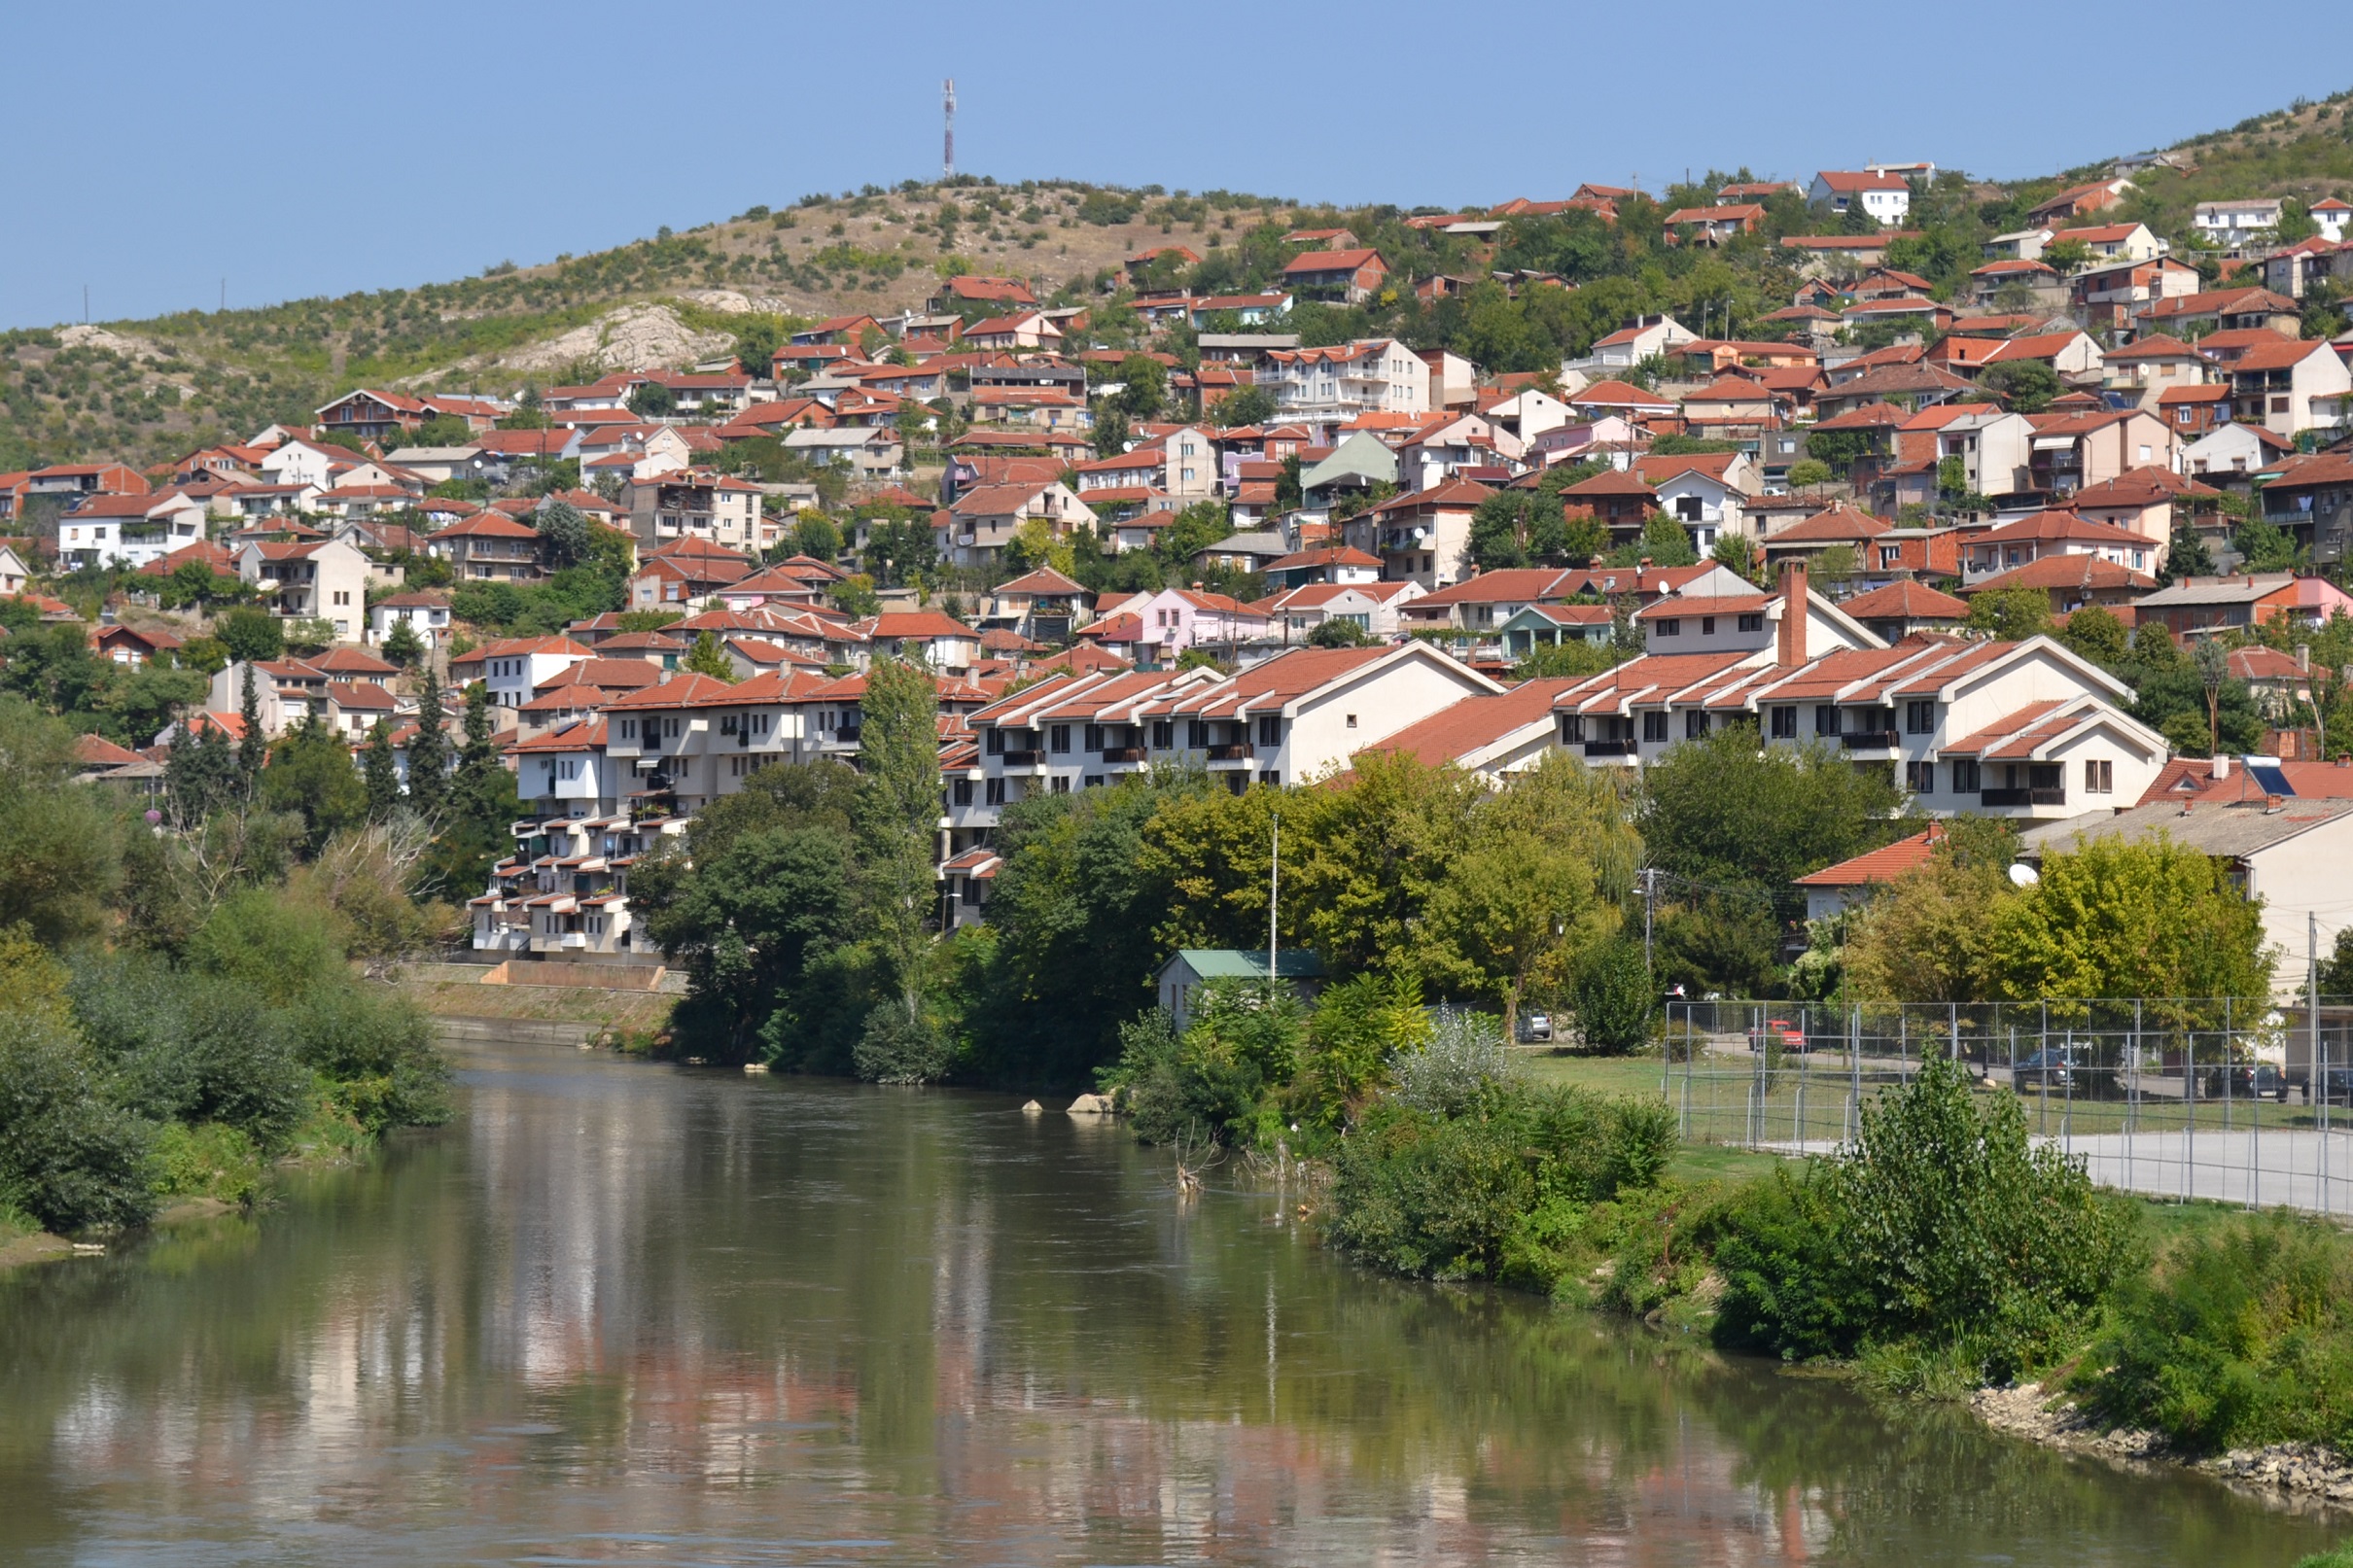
(2025, 875)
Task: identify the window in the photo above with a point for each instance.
(1196, 734)
(1707, 626)
(1673, 626)
(1825, 719)
(1352, 722)
(1784, 724)
(1270, 730)
(1061, 786)
(1058, 739)
(2099, 776)
(960, 792)
(1919, 716)
(1752, 623)
(993, 792)
(1920, 778)
(1573, 729)
(995, 745)
(1094, 781)
(1964, 776)
(1654, 727)
(1695, 724)
(1164, 734)
(1094, 738)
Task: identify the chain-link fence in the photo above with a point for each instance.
(2169, 1098)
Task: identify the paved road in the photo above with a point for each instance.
(2298, 1170)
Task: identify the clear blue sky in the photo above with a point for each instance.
(302, 150)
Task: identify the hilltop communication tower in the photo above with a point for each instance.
(947, 153)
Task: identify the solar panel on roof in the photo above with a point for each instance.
(2269, 776)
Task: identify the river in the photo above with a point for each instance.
(622, 1312)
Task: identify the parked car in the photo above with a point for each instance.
(2052, 1069)
(2258, 1080)
(1536, 1028)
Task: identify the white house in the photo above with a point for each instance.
(1334, 385)
(1886, 196)
(318, 580)
(425, 612)
(2232, 224)
(128, 531)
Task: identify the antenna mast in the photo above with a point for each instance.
(947, 153)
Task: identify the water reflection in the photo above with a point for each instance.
(623, 1314)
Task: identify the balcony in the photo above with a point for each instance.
(1994, 799)
(1236, 751)
(1625, 748)
(1123, 754)
(1023, 759)
(1876, 740)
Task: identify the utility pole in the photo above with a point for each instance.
(1650, 905)
(947, 151)
(1273, 906)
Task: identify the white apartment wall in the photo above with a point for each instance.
(1329, 725)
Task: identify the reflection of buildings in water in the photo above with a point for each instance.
(553, 1346)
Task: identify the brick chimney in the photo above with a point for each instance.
(1792, 645)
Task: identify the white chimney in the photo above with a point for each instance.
(2222, 766)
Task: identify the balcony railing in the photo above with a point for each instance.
(1023, 759)
(1237, 752)
(1626, 748)
(1123, 754)
(1991, 798)
(1876, 739)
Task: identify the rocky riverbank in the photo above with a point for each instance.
(2297, 1475)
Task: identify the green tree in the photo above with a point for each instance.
(1143, 386)
(1724, 810)
(706, 657)
(2010, 615)
(310, 775)
(402, 645)
(1191, 531)
(2186, 555)
(816, 536)
(1667, 543)
(2263, 547)
(1927, 937)
(1337, 632)
(253, 747)
(650, 400)
(251, 634)
(2098, 635)
(757, 343)
(1738, 553)
(381, 774)
(1110, 434)
(1808, 472)
(429, 750)
(855, 597)
(898, 808)
(2152, 919)
(1835, 566)
(1244, 405)
(1614, 997)
(1537, 880)
(2024, 386)
(565, 533)
(899, 548)
(59, 841)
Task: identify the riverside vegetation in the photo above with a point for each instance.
(1940, 1253)
(180, 997)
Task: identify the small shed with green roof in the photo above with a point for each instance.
(1191, 968)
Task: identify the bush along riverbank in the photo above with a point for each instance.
(129, 1082)
(1942, 1255)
